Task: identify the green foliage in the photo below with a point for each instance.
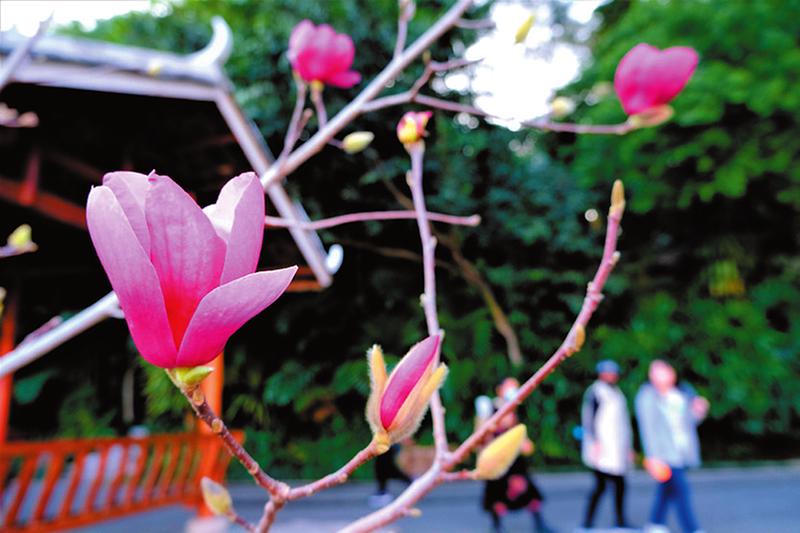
(80, 416)
(27, 389)
(717, 186)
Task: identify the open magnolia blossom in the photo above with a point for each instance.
(398, 403)
(647, 78)
(319, 54)
(184, 276)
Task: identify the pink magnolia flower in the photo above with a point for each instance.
(411, 127)
(319, 54)
(648, 77)
(398, 402)
(184, 276)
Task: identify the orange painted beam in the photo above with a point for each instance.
(43, 202)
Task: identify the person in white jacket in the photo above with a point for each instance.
(607, 440)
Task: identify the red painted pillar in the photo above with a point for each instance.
(8, 331)
(212, 389)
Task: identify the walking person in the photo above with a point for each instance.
(386, 469)
(668, 415)
(515, 490)
(607, 441)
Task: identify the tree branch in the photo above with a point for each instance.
(197, 400)
(375, 87)
(438, 472)
(324, 223)
(470, 273)
(428, 242)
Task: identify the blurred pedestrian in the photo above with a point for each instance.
(606, 440)
(515, 490)
(668, 415)
(386, 469)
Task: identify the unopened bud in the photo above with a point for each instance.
(580, 338)
(495, 460)
(649, 118)
(398, 402)
(617, 199)
(357, 141)
(524, 28)
(216, 497)
(22, 238)
(561, 106)
(411, 127)
(191, 377)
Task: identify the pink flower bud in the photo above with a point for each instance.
(411, 127)
(184, 276)
(319, 54)
(398, 402)
(648, 77)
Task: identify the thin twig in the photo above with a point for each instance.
(319, 105)
(324, 223)
(417, 153)
(336, 478)
(482, 24)
(271, 509)
(461, 475)
(436, 474)
(234, 517)
(295, 128)
(471, 275)
(197, 400)
(406, 9)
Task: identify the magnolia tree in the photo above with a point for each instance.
(186, 281)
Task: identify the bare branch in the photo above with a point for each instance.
(378, 84)
(197, 400)
(437, 473)
(324, 223)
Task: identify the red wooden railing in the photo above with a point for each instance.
(59, 484)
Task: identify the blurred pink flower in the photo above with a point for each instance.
(648, 77)
(318, 53)
(184, 276)
(411, 127)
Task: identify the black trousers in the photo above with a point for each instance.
(386, 468)
(601, 479)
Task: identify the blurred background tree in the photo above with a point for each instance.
(710, 268)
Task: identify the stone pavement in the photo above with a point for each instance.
(740, 500)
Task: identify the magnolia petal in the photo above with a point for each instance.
(186, 251)
(132, 276)
(344, 80)
(238, 217)
(226, 309)
(412, 413)
(377, 378)
(406, 375)
(130, 189)
(341, 52)
(301, 34)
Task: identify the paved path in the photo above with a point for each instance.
(753, 500)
